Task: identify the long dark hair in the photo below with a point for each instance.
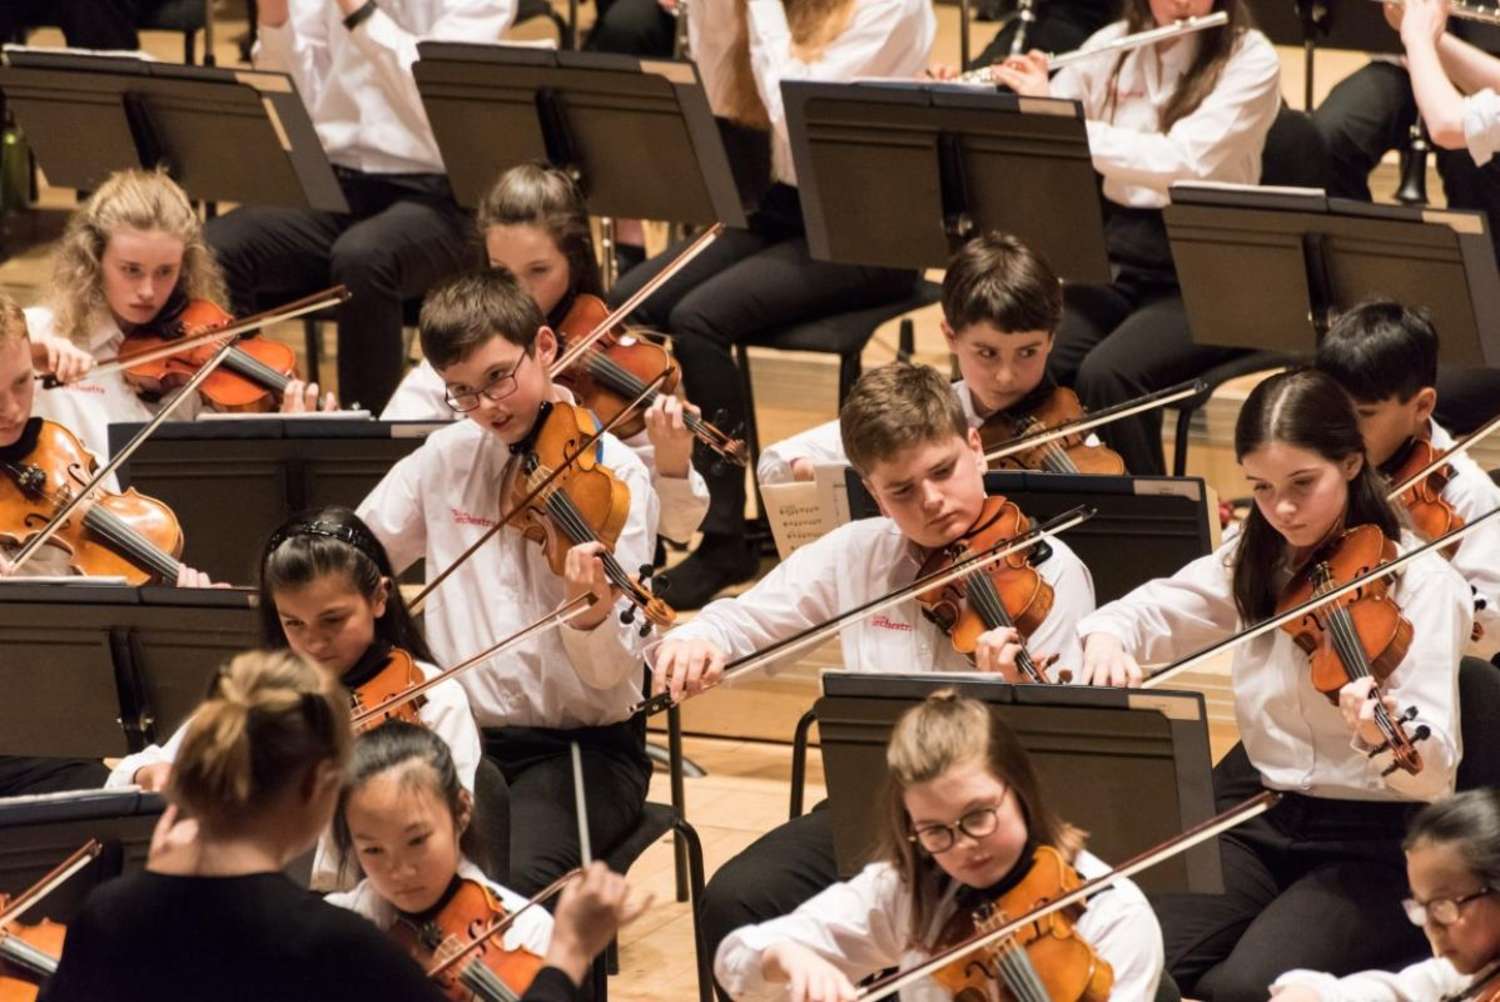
(1469, 820)
(1215, 46)
(1308, 409)
(545, 197)
(333, 540)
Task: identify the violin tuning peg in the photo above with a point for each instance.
(645, 573)
(1421, 734)
(645, 630)
(627, 616)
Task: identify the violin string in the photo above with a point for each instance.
(485, 983)
(991, 610)
(573, 523)
(1020, 976)
(624, 381)
(1352, 653)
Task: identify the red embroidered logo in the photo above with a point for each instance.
(883, 623)
(85, 387)
(461, 517)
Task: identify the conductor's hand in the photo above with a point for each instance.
(808, 977)
(1106, 662)
(1026, 74)
(686, 665)
(583, 574)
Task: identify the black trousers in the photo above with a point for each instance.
(775, 874)
(404, 234)
(1058, 28)
(85, 24)
(634, 28)
(1312, 883)
(24, 774)
(747, 283)
(538, 768)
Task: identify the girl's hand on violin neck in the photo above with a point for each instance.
(808, 977)
(1026, 75)
(1106, 662)
(60, 358)
(301, 398)
(153, 778)
(686, 666)
(997, 650)
(1357, 703)
(668, 431)
(175, 847)
(583, 572)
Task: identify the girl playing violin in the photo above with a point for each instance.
(327, 593)
(1453, 869)
(404, 825)
(131, 261)
(533, 222)
(1001, 304)
(967, 827)
(1310, 883)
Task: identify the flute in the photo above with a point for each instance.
(1186, 26)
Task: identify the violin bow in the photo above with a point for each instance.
(682, 260)
(1255, 806)
(1281, 619)
(979, 561)
(537, 491)
(562, 614)
(1443, 458)
(81, 857)
(585, 849)
(1088, 422)
(80, 496)
(545, 894)
(291, 311)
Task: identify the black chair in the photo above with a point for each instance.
(529, 9)
(1478, 709)
(799, 762)
(1214, 378)
(188, 17)
(492, 821)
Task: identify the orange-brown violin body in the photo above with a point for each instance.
(18, 981)
(249, 380)
(1069, 454)
(399, 674)
(1430, 514)
(471, 910)
(104, 536)
(1060, 961)
(593, 379)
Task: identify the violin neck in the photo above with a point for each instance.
(14, 950)
(242, 363)
(576, 527)
(131, 544)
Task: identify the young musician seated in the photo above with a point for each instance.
(1453, 869)
(1385, 356)
(964, 822)
(904, 430)
(488, 340)
(131, 259)
(1001, 303)
(1311, 883)
(1454, 82)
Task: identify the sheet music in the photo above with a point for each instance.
(803, 511)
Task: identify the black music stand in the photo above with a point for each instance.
(1313, 256)
(233, 482)
(637, 133)
(1146, 527)
(107, 670)
(1131, 767)
(225, 135)
(956, 161)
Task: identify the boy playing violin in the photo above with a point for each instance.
(487, 339)
(1386, 357)
(907, 434)
(1002, 303)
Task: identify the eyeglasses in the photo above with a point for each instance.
(495, 390)
(1443, 911)
(977, 824)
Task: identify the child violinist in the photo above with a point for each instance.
(1310, 883)
(1453, 869)
(965, 826)
(533, 222)
(403, 824)
(328, 594)
(1385, 356)
(131, 260)
(1001, 304)
(490, 343)
(905, 431)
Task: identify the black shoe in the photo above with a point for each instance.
(705, 572)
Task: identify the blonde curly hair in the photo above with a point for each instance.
(129, 199)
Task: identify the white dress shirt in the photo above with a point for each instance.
(422, 396)
(358, 85)
(863, 925)
(1428, 981)
(1481, 117)
(1293, 734)
(1221, 140)
(532, 929)
(1472, 493)
(435, 503)
(883, 38)
(446, 713)
(857, 563)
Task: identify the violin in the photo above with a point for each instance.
(1431, 515)
(28, 955)
(1359, 635)
(584, 503)
(1009, 593)
(128, 535)
(612, 371)
(252, 378)
(1045, 959)
(459, 926)
(399, 675)
(1069, 454)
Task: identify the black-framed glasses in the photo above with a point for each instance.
(1441, 911)
(977, 824)
(496, 389)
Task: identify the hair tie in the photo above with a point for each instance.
(359, 538)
